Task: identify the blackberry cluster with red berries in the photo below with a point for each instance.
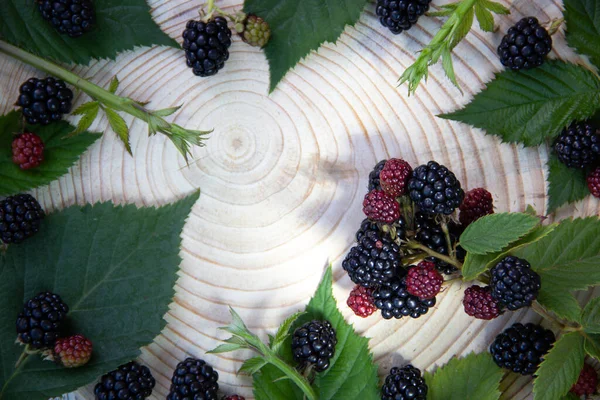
(404, 383)
(130, 381)
(394, 301)
(194, 379)
(313, 344)
(206, 45)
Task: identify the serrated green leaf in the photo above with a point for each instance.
(298, 27)
(440, 13)
(565, 185)
(495, 7)
(484, 17)
(86, 120)
(463, 29)
(85, 108)
(119, 126)
(583, 27)
(496, 231)
(165, 112)
(531, 210)
(448, 66)
(60, 154)
(226, 348)
(283, 331)
(115, 266)
(352, 374)
(252, 365)
(474, 377)
(114, 84)
(592, 345)
(560, 368)
(558, 300)
(570, 396)
(532, 106)
(590, 319)
(120, 25)
(476, 264)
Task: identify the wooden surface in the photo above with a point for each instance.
(283, 177)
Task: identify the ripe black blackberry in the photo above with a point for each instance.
(38, 325)
(130, 381)
(194, 379)
(578, 145)
(376, 258)
(430, 233)
(404, 383)
(435, 189)
(521, 348)
(525, 45)
(400, 15)
(71, 17)
(314, 344)
(374, 181)
(394, 301)
(514, 284)
(44, 100)
(206, 45)
(20, 218)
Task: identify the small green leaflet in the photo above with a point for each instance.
(590, 320)
(583, 27)
(592, 345)
(283, 332)
(559, 300)
(560, 368)
(60, 153)
(115, 266)
(532, 106)
(565, 185)
(89, 112)
(352, 374)
(474, 377)
(120, 25)
(496, 231)
(484, 17)
(298, 27)
(119, 126)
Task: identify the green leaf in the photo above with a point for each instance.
(592, 345)
(590, 319)
(448, 66)
(86, 108)
(496, 231)
(301, 26)
(226, 348)
(559, 300)
(474, 377)
(87, 120)
(165, 112)
(495, 7)
(120, 25)
(583, 27)
(352, 374)
(484, 17)
(532, 106)
(476, 264)
(560, 368)
(60, 154)
(464, 27)
(114, 84)
(119, 126)
(570, 396)
(115, 266)
(565, 185)
(283, 331)
(271, 384)
(252, 365)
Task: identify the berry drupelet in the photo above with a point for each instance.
(521, 348)
(70, 17)
(423, 280)
(73, 351)
(39, 323)
(476, 204)
(400, 15)
(479, 303)
(435, 189)
(44, 100)
(525, 45)
(578, 145)
(360, 301)
(20, 218)
(379, 206)
(514, 284)
(314, 344)
(394, 177)
(194, 379)
(206, 45)
(130, 381)
(404, 383)
(27, 150)
(374, 176)
(395, 301)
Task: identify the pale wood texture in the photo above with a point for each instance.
(283, 177)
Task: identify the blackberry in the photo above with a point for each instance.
(430, 234)
(479, 303)
(256, 31)
(130, 381)
(404, 383)
(514, 284)
(194, 379)
(360, 301)
(525, 45)
(593, 182)
(435, 189)
(587, 382)
(314, 344)
(578, 145)
(423, 280)
(73, 352)
(206, 45)
(44, 100)
(374, 261)
(366, 225)
(70, 17)
(20, 218)
(27, 150)
(38, 325)
(394, 301)
(521, 348)
(234, 397)
(476, 204)
(374, 180)
(400, 15)
(381, 207)
(394, 177)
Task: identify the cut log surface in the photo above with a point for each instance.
(283, 177)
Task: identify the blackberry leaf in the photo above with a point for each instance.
(60, 154)
(118, 285)
(565, 185)
(298, 27)
(559, 300)
(532, 106)
(475, 376)
(583, 27)
(592, 345)
(590, 319)
(120, 25)
(560, 368)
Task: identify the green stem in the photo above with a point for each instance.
(293, 375)
(559, 324)
(448, 240)
(432, 253)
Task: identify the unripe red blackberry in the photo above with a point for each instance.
(476, 204)
(587, 383)
(381, 207)
(479, 303)
(361, 301)
(27, 150)
(424, 281)
(593, 182)
(394, 177)
(73, 351)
